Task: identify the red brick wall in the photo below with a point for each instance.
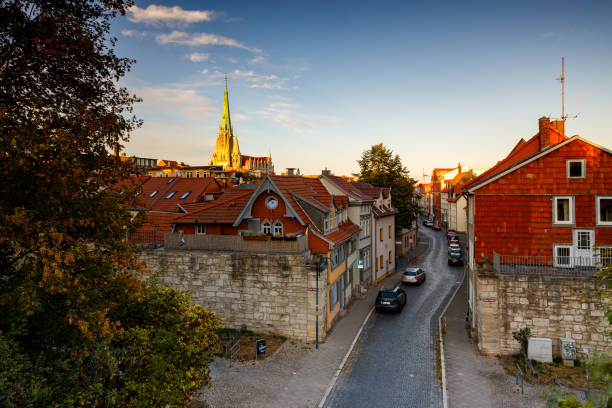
(520, 221)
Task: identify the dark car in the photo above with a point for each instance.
(455, 258)
(413, 275)
(391, 299)
(436, 227)
(453, 240)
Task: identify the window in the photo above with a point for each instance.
(389, 231)
(390, 258)
(563, 256)
(382, 262)
(576, 168)
(333, 295)
(604, 210)
(153, 193)
(185, 195)
(326, 226)
(200, 229)
(170, 195)
(266, 227)
(381, 234)
(605, 256)
(583, 240)
(169, 181)
(278, 228)
(563, 210)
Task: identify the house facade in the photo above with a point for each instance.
(539, 226)
(285, 208)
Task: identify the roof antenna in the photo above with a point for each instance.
(562, 80)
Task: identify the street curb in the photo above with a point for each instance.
(350, 350)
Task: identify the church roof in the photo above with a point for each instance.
(226, 123)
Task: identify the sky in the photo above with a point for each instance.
(316, 83)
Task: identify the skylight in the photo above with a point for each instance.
(153, 193)
(170, 181)
(185, 195)
(170, 195)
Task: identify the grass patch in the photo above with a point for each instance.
(247, 343)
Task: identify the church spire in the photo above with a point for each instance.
(225, 117)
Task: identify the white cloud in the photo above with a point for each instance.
(195, 39)
(197, 57)
(254, 80)
(303, 123)
(164, 100)
(134, 33)
(257, 59)
(238, 117)
(154, 14)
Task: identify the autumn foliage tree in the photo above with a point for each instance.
(72, 302)
(379, 167)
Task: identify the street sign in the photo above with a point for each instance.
(260, 346)
(360, 264)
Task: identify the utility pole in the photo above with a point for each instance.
(562, 79)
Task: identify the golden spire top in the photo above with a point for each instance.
(226, 123)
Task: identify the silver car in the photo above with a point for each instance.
(413, 275)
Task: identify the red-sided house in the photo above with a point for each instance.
(285, 206)
(545, 209)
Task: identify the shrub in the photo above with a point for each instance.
(522, 336)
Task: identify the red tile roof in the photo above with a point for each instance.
(344, 231)
(193, 187)
(223, 210)
(349, 187)
(521, 151)
(368, 189)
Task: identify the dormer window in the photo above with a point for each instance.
(153, 193)
(576, 168)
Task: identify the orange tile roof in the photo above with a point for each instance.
(368, 189)
(163, 220)
(159, 185)
(349, 187)
(344, 231)
(193, 187)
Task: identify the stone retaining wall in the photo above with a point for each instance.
(551, 306)
(267, 293)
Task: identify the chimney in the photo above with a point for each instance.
(326, 172)
(290, 171)
(544, 125)
(458, 167)
(559, 126)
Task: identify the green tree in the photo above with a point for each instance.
(66, 274)
(379, 167)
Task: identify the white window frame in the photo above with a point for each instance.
(571, 253)
(570, 212)
(568, 162)
(266, 225)
(277, 228)
(597, 212)
(200, 229)
(607, 249)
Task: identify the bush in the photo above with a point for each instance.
(522, 336)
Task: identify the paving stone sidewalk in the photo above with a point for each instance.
(297, 375)
(473, 380)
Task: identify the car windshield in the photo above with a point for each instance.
(410, 273)
(455, 255)
(387, 295)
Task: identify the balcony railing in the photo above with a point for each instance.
(549, 265)
(235, 243)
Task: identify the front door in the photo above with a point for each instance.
(583, 247)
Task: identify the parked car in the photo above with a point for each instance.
(436, 227)
(454, 250)
(451, 232)
(455, 258)
(453, 240)
(391, 299)
(413, 275)
(452, 246)
(428, 223)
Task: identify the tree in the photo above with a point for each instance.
(379, 167)
(67, 276)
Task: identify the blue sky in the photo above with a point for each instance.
(316, 83)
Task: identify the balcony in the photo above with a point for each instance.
(550, 265)
(235, 243)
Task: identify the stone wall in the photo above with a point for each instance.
(269, 293)
(551, 306)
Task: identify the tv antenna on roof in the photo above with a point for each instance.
(562, 80)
